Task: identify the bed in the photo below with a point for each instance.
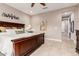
(19, 44)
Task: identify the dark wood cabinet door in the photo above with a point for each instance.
(23, 46)
(40, 39)
(77, 41)
(77, 45)
(34, 42)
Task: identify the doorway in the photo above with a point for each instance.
(66, 26)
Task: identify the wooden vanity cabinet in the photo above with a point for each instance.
(25, 46)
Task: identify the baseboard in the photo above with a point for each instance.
(54, 39)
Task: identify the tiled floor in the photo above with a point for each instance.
(54, 48)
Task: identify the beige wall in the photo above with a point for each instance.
(53, 18)
(54, 21)
(24, 18)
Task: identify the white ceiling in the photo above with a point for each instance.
(26, 7)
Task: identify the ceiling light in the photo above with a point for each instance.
(31, 11)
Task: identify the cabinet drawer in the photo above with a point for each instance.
(77, 44)
(77, 38)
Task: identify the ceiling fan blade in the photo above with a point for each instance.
(32, 4)
(43, 4)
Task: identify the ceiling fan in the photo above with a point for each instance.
(43, 4)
